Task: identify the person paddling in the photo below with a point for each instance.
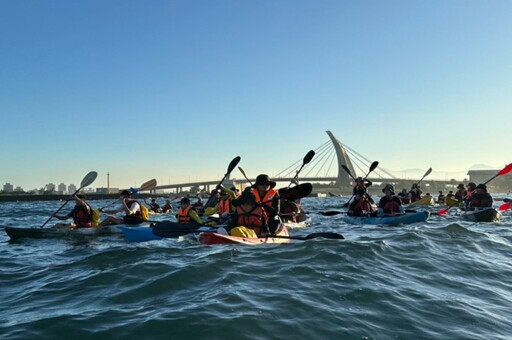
(187, 212)
(415, 193)
(131, 208)
(155, 207)
(389, 204)
(250, 218)
(480, 198)
(167, 207)
(81, 214)
(360, 206)
(224, 205)
(290, 210)
(441, 198)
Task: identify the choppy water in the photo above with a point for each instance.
(442, 279)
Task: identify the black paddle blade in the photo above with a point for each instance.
(332, 236)
(298, 191)
(373, 166)
(309, 156)
(347, 170)
(331, 213)
(233, 164)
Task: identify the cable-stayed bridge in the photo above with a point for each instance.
(325, 167)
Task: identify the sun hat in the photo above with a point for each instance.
(263, 179)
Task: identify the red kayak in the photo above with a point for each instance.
(215, 238)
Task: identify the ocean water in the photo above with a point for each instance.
(442, 279)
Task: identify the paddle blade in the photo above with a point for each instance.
(505, 170)
(297, 192)
(309, 156)
(373, 166)
(88, 179)
(427, 173)
(233, 164)
(331, 213)
(442, 211)
(242, 171)
(504, 206)
(149, 185)
(332, 236)
(347, 170)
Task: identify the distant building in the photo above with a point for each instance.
(62, 188)
(50, 187)
(71, 188)
(8, 187)
(500, 183)
(18, 189)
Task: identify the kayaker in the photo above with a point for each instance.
(290, 210)
(363, 184)
(167, 207)
(263, 190)
(187, 212)
(415, 193)
(441, 198)
(404, 196)
(155, 207)
(224, 206)
(250, 218)
(460, 194)
(480, 198)
(133, 211)
(360, 206)
(470, 189)
(81, 214)
(390, 204)
(450, 194)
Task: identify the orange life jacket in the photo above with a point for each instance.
(255, 219)
(267, 199)
(183, 216)
(224, 206)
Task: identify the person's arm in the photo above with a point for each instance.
(193, 215)
(82, 203)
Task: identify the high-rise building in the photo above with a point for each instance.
(61, 188)
(50, 187)
(8, 187)
(71, 188)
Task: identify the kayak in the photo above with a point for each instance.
(425, 200)
(62, 232)
(406, 218)
(298, 225)
(450, 201)
(215, 238)
(160, 230)
(482, 215)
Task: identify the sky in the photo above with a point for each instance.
(174, 90)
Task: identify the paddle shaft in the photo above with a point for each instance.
(62, 206)
(231, 166)
(309, 156)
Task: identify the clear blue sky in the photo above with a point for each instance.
(174, 90)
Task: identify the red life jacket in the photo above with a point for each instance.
(479, 201)
(81, 217)
(267, 199)
(391, 206)
(183, 214)
(361, 207)
(255, 219)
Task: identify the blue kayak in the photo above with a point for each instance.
(406, 218)
(164, 229)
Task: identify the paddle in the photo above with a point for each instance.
(332, 236)
(297, 192)
(373, 166)
(88, 179)
(245, 176)
(417, 183)
(309, 156)
(502, 172)
(504, 206)
(231, 166)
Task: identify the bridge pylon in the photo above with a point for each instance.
(343, 178)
